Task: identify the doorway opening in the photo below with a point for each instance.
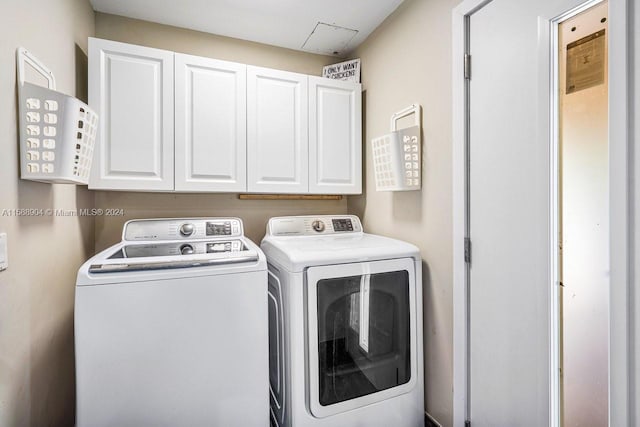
(583, 212)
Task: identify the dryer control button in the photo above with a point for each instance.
(318, 225)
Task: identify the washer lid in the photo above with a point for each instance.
(149, 261)
(297, 253)
(173, 255)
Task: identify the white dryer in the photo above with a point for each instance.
(345, 325)
(171, 328)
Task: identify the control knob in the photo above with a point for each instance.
(187, 229)
(186, 250)
(318, 225)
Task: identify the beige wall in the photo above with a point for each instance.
(127, 30)
(406, 60)
(37, 291)
(254, 213)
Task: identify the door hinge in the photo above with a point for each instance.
(467, 423)
(467, 66)
(467, 250)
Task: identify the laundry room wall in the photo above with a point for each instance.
(408, 60)
(254, 213)
(37, 290)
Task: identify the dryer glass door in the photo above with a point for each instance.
(363, 334)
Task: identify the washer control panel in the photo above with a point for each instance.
(314, 225)
(179, 229)
(138, 250)
(220, 228)
(342, 224)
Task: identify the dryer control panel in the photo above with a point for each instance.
(183, 228)
(314, 225)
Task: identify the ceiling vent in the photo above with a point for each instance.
(327, 39)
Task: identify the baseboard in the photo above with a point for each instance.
(429, 421)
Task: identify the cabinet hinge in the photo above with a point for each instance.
(467, 250)
(467, 66)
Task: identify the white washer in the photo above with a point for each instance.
(345, 325)
(171, 328)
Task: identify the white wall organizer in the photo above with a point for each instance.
(57, 131)
(397, 156)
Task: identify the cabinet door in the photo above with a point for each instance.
(131, 89)
(211, 122)
(335, 136)
(277, 138)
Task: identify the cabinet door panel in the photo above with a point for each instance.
(131, 88)
(335, 136)
(210, 125)
(277, 119)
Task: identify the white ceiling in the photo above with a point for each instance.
(284, 23)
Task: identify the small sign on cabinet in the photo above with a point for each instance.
(348, 70)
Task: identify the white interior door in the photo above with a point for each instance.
(509, 204)
(211, 122)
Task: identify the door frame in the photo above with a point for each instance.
(620, 163)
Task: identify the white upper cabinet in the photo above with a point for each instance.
(210, 121)
(277, 131)
(131, 89)
(238, 128)
(335, 137)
